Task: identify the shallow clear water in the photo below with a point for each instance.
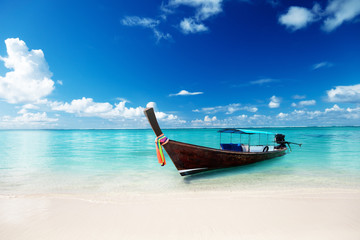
(108, 161)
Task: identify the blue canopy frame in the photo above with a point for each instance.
(245, 131)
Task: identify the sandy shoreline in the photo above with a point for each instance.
(293, 214)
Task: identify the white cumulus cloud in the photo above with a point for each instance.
(282, 115)
(151, 105)
(297, 18)
(185, 93)
(334, 15)
(210, 119)
(28, 120)
(349, 94)
(335, 108)
(83, 106)
(188, 25)
(29, 79)
(340, 11)
(329, 117)
(332, 116)
(274, 102)
(34, 117)
(86, 107)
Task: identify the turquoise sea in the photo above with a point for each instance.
(111, 161)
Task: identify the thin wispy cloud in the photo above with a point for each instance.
(166, 10)
(204, 9)
(332, 16)
(150, 23)
(304, 103)
(273, 3)
(259, 82)
(227, 109)
(322, 65)
(138, 21)
(263, 81)
(299, 96)
(185, 93)
(307, 103)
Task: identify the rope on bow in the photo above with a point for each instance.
(161, 141)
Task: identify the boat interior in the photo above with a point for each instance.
(245, 147)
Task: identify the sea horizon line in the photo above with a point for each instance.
(182, 128)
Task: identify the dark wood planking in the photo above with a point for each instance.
(150, 114)
(187, 156)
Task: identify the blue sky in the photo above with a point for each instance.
(200, 63)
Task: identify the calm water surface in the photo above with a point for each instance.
(66, 161)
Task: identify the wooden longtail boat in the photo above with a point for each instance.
(190, 159)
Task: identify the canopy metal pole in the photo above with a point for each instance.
(230, 137)
(259, 139)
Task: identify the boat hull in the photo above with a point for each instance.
(190, 159)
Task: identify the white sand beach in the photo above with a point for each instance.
(293, 214)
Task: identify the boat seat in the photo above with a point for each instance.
(245, 147)
(231, 147)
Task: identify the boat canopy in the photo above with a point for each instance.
(243, 131)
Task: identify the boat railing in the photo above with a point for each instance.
(248, 141)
